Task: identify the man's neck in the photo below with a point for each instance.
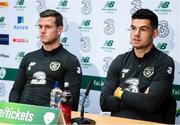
(50, 47)
(141, 52)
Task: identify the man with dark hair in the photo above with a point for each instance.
(139, 82)
(40, 69)
(57, 15)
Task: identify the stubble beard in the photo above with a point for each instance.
(141, 47)
(50, 42)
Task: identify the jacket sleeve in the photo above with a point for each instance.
(159, 89)
(73, 75)
(18, 86)
(107, 101)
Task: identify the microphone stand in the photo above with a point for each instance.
(81, 120)
(82, 108)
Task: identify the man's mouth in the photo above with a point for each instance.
(136, 40)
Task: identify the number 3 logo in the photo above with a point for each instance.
(78, 70)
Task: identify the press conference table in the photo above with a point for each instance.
(9, 110)
(109, 120)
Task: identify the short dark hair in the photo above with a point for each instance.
(146, 14)
(53, 13)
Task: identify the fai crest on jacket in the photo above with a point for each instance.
(54, 66)
(148, 72)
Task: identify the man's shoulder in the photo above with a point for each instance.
(164, 59)
(68, 57)
(33, 53)
(125, 54)
(68, 53)
(123, 58)
(165, 56)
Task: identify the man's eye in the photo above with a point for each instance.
(48, 27)
(40, 27)
(143, 29)
(132, 28)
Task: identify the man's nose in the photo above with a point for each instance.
(137, 32)
(43, 29)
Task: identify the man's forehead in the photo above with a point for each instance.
(47, 19)
(141, 22)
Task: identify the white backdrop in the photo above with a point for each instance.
(96, 31)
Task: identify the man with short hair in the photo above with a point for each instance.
(139, 82)
(40, 69)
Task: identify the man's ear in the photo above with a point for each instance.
(155, 33)
(60, 29)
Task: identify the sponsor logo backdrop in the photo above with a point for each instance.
(96, 31)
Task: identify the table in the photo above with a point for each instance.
(109, 120)
(102, 120)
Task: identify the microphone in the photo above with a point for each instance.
(81, 120)
(84, 99)
(88, 88)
